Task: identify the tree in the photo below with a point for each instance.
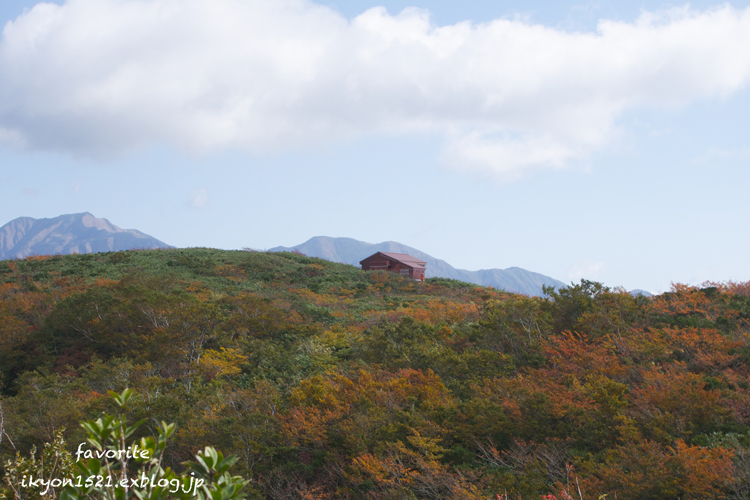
(114, 469)
(570, 303)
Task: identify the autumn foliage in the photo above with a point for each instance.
(332, 383)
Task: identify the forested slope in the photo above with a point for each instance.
(330, 382)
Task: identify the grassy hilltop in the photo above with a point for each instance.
(330, 382)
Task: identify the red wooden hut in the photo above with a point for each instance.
(401, 263)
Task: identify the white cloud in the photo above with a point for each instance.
(100, 77)
(198, 198)
(587, 270)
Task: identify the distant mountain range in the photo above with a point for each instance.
(351, 251)
(66, 234)
(84, 233)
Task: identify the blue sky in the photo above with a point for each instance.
(603, 140)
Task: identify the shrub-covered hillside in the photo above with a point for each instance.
(333, 383)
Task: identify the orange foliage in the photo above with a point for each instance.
(574, 353)
(337, 391)
(8, 290)
(199, 290)
(560, 400)
(731, 287)
(413, 466)
(646, 469)
(358, 404)
(673, 403)
(231, 272)
(319, 299)
(308, 426)
(36, 258)
(435, 311)
(684, 300)
(703, 348)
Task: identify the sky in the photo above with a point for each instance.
(599, 140)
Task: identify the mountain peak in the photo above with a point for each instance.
(70, 233)
(89, 220)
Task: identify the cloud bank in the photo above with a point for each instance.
(104, 77)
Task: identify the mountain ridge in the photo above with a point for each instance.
(69, 233)
(351, 251)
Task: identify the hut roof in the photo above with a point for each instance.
(404, 258)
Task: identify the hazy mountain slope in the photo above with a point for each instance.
(66, 234)
(351, 251)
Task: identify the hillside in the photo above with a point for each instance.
(351, 251)
(67, 234)
(328, 382)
